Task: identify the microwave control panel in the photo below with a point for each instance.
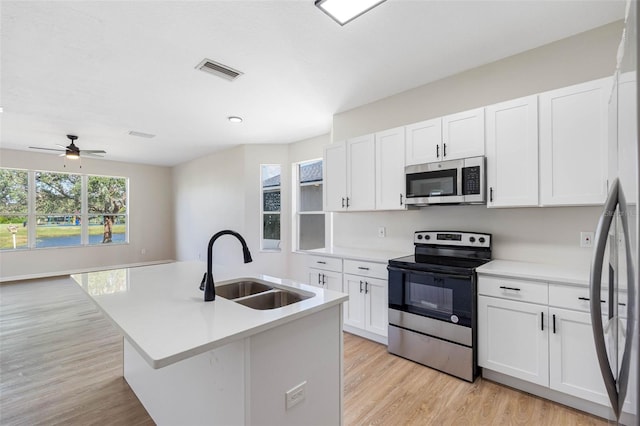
(471, 180)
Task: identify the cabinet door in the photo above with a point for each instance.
(573, 363)
(315, 277)
(361, 172)
(376, 306)
(332, 280)
(573, 147)
(513, 339)
(423, 142)
(512, 153)
(390, 184)
(335, 177)
(463, 134)
(353, 285)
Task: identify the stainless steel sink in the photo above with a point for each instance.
(276, 298)
(242, 288)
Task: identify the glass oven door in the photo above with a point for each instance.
(436, 295)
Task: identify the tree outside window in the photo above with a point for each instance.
(107, 208)
(14, 209)
(58, 209)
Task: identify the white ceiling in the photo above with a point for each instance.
(101, 69)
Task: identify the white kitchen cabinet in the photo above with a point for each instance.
(328, 280)
(447, 138)
(423, 142)
(349, 175)
(627, 139)
(573, 363)
(361, 169)
(513, 339)
(334, 174)
(463, 134)
(512, 153)
(390, 183)
(368, 303)
(573, 148)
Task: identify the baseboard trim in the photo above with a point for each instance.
(366, 334)
(81, 271)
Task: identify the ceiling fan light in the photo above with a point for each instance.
(343, 11)
(72, 155)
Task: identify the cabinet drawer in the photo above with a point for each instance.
(576, 298)
(514, 289)
(366, 269)
(325, 263)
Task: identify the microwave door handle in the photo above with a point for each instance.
(595, 287)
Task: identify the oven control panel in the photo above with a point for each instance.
(449, 238)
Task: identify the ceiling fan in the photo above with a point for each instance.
(72, 151)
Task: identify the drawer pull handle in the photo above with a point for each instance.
(363, 268)
(542, 321)
(586, 298)
(321, 262)
(554, 324)
(509, 288)
(622, 304)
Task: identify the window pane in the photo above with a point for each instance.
(311, 172)
(270, 175)
(107, 229)
(107, 195)
(311, 197)
(57, 230)
(13, 232)
(57, 193)
(311, 231)
(13, 191)
(271, 201)
(271, 231)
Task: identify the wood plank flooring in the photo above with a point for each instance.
(61, 364)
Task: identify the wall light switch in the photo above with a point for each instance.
(586, 239)
(382, 232)
(295, 395)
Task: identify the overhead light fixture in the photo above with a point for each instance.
(72, 155)
(234, 119)
(343, 11)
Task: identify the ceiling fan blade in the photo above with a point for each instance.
(61, 146)
(47, 149)
(93, 151)
(93, 154)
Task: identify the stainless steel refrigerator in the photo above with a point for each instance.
(614, 269)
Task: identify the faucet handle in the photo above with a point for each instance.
(204, 278)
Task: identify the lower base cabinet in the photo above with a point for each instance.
(325, 279)
(368, 303)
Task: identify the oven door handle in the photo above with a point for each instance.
(435, 274)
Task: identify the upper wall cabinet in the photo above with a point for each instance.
(512, 153)
(390, 184)
(349, 175)
(573, 148)
(448, 138)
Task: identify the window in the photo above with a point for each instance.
(14, 187)
(270, 206)
(310, 220)
(68, 209)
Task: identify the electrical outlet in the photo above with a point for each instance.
(586, 239)
(295, 395)
(382, 232)
(143, 251)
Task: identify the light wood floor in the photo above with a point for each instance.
(61, 364)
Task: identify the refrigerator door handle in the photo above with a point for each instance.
(623, 377)
(595, 282)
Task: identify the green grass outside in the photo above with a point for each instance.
(6, 238)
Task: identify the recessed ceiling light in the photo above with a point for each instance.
(343, 11)
(234, 119)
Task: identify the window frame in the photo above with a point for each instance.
(24, 214)
(297, 201)
(263, 189)
(32, 214)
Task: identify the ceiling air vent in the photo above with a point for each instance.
(228, 73)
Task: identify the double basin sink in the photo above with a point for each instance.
(258, 294)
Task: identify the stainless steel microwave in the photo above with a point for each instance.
(446, 182)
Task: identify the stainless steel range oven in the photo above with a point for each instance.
(432, 301)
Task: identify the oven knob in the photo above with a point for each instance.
(481, 239)
(419, 236)
(472, 239)
(427, 237)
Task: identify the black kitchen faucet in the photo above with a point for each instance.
(207, 281)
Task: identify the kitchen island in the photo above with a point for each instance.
(195, 362)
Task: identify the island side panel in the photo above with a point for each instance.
(308, 350)
(207, 389)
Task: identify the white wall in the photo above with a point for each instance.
(150, 220)
(528, 234)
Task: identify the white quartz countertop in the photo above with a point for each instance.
(577, 275)
(379, 256)
(161, 310)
